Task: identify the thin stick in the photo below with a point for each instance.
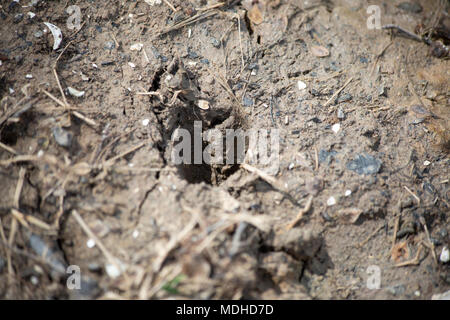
(430, 243)
(19, 186)
(213, 6)
(394, 236)
(316, 158)
(361, 244)
(9, 149)
(84, 118)
(413, 194)
(271, 180)
(110, 161)
(337, 92)
(173, 243)
(414, 261)
(60, 88)
(170, 6)
(111, 259)
(7, 249)
(301, 213)
(408, 33)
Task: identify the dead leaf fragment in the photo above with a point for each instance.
(255, 15)
(399, 251)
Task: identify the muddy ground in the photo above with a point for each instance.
(88, 181)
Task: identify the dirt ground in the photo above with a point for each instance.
(87, 181)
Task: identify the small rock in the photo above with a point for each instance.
(136, 47)
(18, 17)
(344, 98)
(109, 45)
(74, 92)
(62, 137)
(301, 85)
(336, 127)
(382, 91)
(145, 122)
(38, 34)
(247, 101)
(340, 114)
(331, 201)
(327, 156)
(364, 164)
(445, 255)
(90, 243)
(215, 42)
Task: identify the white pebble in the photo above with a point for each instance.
(145, 122)
(135, 234)
(11, 90)
(132, 65)
(445, 255)
(336, 127)
(136, 47)
(426, 163)
(348, 192)
(301, 85)
(90, 243)
(29, 76)
(31, 14)
(331, 201)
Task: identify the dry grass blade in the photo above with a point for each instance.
(301, 213)
(173, 243)
(269, 179)
(337, 92)
(111, 259)
(9, 149)
(188, 21)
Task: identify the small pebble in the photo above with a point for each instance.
(18, 17)
(132, 65)
(109, 45)
(348, 192)
(90, 243)
(426, 163)
(136, 47)
(247, 101)
(331, 201)
(62, 137)
(145, 122)
(336, 127)
(340, 114)
(34, 280)
(135, 234)
(29, 76)
(301, 85)
(445, 255)
(38, 34)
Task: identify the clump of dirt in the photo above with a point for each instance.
(90, 189)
